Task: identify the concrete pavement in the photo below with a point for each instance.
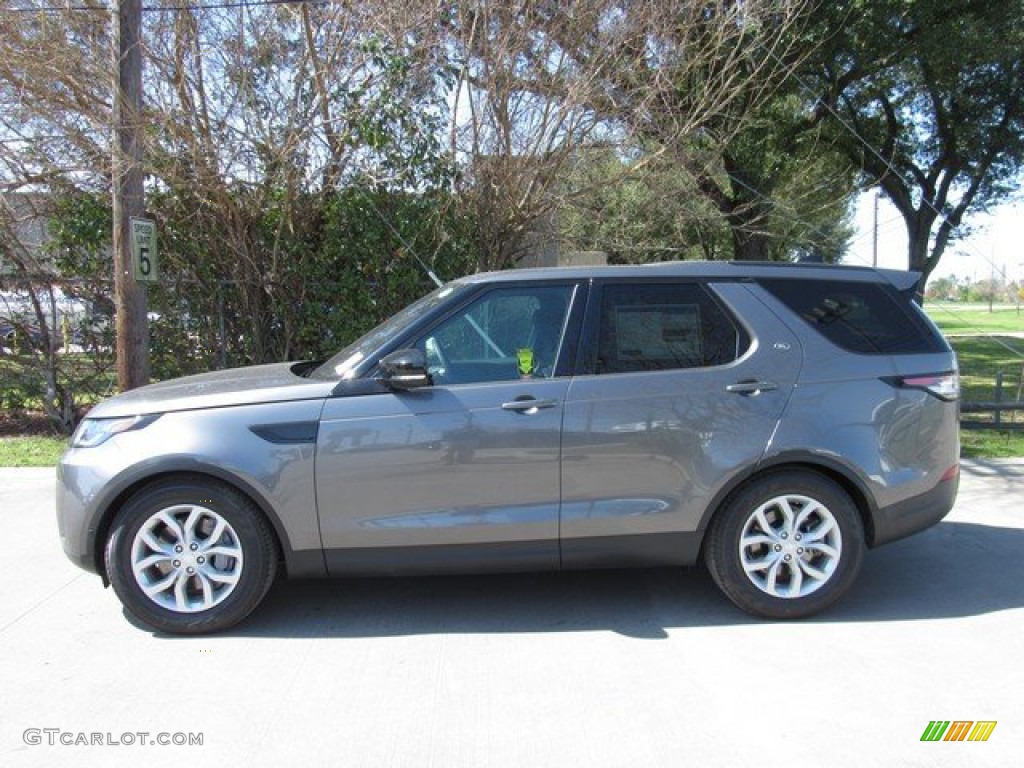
(625, 668)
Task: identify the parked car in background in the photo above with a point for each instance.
(770, 421)
(69, 320)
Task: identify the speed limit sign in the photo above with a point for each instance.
(144, 250)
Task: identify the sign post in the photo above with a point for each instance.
(144, 253)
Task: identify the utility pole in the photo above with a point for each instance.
(128, 201)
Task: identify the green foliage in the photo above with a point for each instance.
(637, 210)
(318, 271)
(770, 192)
(310, 241)
(366, 265)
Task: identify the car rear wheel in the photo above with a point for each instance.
(190, 556)
(786, 546)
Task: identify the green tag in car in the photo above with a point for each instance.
(525, 359)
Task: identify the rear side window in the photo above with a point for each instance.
(656, 327)
(866, 318)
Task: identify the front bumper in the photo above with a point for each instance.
(77, 514)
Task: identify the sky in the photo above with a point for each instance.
(996, 242)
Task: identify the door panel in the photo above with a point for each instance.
(462, 475)
(442, 470)
(644, 452)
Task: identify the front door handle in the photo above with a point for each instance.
(528, 405)
(751, 387)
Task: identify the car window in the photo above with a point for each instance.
(506, 334)
(867, 318)
(654, 327)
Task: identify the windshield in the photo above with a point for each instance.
(343, 364)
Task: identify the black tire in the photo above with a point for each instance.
(234, 577)
(813, 565)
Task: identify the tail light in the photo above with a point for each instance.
(945, 386)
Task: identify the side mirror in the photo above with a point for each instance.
(404, 369)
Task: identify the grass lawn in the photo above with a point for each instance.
(976, 319)
(31, 451)
(983, 444)
(981, 358)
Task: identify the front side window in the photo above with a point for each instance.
(655, 327)
(506, 334)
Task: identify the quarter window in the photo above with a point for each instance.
(867, 318)
(649, 327)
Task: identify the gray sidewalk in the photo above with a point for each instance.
(619, 668)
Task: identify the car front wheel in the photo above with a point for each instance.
(786, 546)
(190, 556)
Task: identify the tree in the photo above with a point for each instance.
(259, 123)
(926, 97)
(543, 85)
(775, 180)
(261, 118)
(521, 111)
(694, 86)
(636, 215)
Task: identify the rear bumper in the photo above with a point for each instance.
(915, 514)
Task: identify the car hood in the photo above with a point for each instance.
(236, 386)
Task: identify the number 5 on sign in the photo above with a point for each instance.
(144, 250)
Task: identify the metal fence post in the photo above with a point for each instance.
(221, 332)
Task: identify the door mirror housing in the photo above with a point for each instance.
(404, 369)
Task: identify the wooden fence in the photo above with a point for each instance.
(1000, 408)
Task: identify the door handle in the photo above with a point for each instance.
(751, 387)
(528, 405)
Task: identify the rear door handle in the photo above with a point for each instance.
(528, 405)
(751, 387)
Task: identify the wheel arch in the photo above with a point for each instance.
(307, 563)
(842, 475)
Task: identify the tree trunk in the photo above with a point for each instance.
(750, 239)
(750, 246)
(918, 257)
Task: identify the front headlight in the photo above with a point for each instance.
(93, 432)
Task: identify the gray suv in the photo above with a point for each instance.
(772, 421)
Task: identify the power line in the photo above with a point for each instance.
(233, 4)
(57, 9)
(168, 8)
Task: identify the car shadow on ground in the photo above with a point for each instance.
(992, 471)
(952, 570)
